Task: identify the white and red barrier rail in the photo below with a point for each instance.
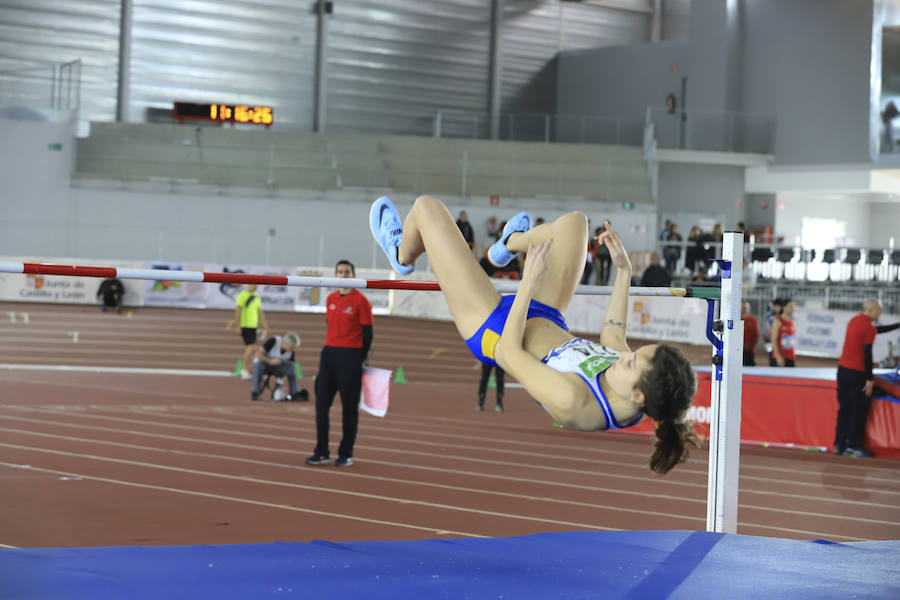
(301, 281)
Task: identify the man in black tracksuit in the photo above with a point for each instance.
(347, 343)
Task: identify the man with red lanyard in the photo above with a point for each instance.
(855, 380)
(347, 343)
(751, 335)
(783, 332)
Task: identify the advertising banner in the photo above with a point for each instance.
(182, 294)
(649, 317)
(795, 412)
(17, 287)
(274, 297)
(821, 333)
(312, 299)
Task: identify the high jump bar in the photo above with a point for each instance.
(301, 281)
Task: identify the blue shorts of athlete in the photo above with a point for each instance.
(484, 341)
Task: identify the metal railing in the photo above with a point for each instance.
(549, 128)
(790, 264)
(719, 131)
(51, 86)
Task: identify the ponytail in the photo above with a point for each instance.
(669, 444)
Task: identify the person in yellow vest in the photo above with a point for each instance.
(248, 314)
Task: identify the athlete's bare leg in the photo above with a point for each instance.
(429, 227)
(567, 256)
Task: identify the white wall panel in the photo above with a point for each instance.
(234, 51)
(393, 63)
(43, 32)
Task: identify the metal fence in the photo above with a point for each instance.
(39, 88)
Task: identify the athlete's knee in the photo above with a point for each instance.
(574, 219)
(428, 204)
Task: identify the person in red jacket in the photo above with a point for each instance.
(751, 335)
(855, 379)
(783, 341)
(347, 343)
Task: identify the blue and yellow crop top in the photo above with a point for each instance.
(589, 361)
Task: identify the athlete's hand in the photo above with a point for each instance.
(617, 252)
(536, 264)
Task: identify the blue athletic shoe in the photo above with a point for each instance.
(387, 229)
(498, 254)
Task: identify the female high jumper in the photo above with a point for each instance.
(582, 384)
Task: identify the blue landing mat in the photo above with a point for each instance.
(635, 564)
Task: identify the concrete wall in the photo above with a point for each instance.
(35, 215)
(804, 62)
(807, 61)
(620, 82)
(42, 216)
(883, 220)
(791, 208)
(715, 191)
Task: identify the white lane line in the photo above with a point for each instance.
(480, 474)
(393, 440)
(640, 456)
(311, 488)
(361, 476)
(126, 370)
(242, 478)
(7, 546)
(416, 482)
(503, 432)
(245, 501)
(530, 481)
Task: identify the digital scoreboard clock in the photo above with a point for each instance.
(224, 113)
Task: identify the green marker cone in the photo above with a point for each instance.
(400, 377)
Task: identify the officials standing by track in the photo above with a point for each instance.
(855, 380)
(347, 344)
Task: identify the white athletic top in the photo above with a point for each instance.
(588, 360)
(275, 350)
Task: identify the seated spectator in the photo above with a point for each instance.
(110, 293)
(656, 275)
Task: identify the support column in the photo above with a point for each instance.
(495, 76)
(725, 404)
(323, 10)
(123, 91)
(656, 19)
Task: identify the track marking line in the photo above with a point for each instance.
(393, 439)
(436, 352)
(244, 501)
(336, 473)
(299, 486)
(361, 476)
(639, 455)
(373, 461)
(125, 370)
(453, 471)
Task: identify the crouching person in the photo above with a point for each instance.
(276, 357)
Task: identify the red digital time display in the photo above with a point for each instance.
(225, 113)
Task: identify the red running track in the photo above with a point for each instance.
(91, 459)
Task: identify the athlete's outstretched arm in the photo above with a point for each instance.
(615, 322)
(548, 386)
